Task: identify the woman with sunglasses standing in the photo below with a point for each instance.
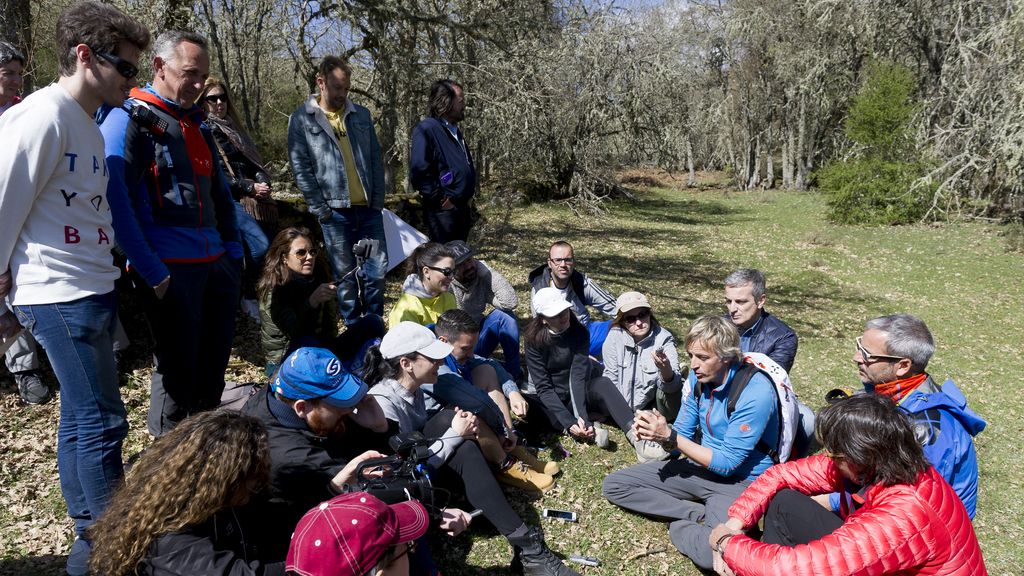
(298, 305)
(572, 390)
(641, 359)
(426, 293)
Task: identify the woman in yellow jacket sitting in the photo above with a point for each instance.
(425, 294)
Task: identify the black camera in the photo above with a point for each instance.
(402, 476)
(365, 249)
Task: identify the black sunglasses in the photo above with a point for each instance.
(123, 67)
(449, 272)
(217, 98)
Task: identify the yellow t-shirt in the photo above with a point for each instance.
(356, 193)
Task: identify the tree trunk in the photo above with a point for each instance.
(691, 179)
(801, 146)
(788, 143)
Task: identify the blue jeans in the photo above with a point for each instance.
(78, 337)
(252, 234)
(500, 327)
(345, 227)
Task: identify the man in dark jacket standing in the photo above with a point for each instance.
(759, 330)
(441, 167)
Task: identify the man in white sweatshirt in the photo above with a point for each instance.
(55, 244)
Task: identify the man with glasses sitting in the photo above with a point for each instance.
(560, 272)
(891, 358)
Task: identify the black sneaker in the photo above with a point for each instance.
(532, 557)
(31, 387)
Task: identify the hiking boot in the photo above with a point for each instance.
(535, 464)
(31, 387)
(519, 475)
(600, 436)
(532, 557)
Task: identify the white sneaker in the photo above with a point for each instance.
(649, 450)
(600, 436)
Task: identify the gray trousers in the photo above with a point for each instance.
(692, 498)
(23, 354)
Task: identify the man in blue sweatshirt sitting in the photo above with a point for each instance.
(441, 166)
(722, 450)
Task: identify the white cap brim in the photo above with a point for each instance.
(552, 309)
(436, 350)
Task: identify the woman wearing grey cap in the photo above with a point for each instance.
(640, 357)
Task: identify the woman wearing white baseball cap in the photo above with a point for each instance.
(570, 384)
(407, 358)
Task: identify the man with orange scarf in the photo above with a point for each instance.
(891, 359)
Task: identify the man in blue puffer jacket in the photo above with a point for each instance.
(759, 330)
(441, 166)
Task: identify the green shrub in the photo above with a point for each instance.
(877, 187)
(874, 191)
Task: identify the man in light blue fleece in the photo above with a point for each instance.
(722, 449)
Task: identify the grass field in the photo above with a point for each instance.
(676, 246)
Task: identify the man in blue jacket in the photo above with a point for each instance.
(441, 166)
(721, 451)
(175, 219)
(759, 330)
(336, 159)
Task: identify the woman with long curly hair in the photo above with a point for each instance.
(178, 510)
(298, 305)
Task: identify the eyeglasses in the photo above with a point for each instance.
(562, 260)
(643, 316)
(218, 98)
(446, 271)
(870, 358)
(301, 253)
(123, 67)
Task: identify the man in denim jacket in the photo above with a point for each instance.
(336, 159)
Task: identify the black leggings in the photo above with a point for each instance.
(794, 518)
(468, 472)
(603, 402)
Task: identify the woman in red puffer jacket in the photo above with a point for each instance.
(909, 520)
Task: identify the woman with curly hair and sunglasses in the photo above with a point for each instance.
(181, 508)
(898, 515)
(298, 305)
(426, 293)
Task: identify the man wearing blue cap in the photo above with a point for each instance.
(309, 406)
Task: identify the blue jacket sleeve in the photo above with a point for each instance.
(422, 167)
(784, 352)
(302, 167)
(755, 408)
(224, 204)
(124, 148)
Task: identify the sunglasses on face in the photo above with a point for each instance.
(301, 253)
(218, 98)
(448, 272)
(870, 358)
(123, 67)
(643, 316)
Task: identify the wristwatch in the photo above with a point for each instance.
(670, 443)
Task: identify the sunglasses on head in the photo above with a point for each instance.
(218, 98)
(123, 67)
(449, 272)
(642, 315)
